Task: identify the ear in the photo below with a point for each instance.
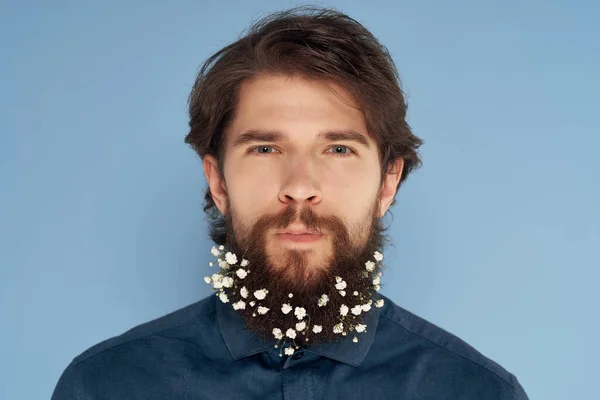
(389, 186)
(216, 182)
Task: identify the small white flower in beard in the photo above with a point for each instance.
(341, 285)
(376, 280)
(317, 328)
(244, 292)
(355, 340)
(215, 252)
(286, 308)
(252, 303)
(260, 294)
(231, 258)
(288, 351)
(223, 297)
(262, 310)
(300, 326)
(207, 279)
(323, 300)
(378, 256)
(241, 273)
(227, 282)
(290, 333)
(379, 303)
(291, 295)
(277, 333)
(356, 310)
(240, 305)
(339, 328)
(366, 307)
(360, 328)
(342, 293)
(244, 263)
(344, 310)
(370, 265)
(300, 312)
(217, 281)
(377, 287)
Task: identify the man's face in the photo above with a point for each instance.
(299, 144)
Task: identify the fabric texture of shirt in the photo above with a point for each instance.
(203, 351)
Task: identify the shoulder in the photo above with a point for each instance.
(443, 354)
(124, 363)
(174, 320)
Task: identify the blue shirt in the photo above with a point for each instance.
(203, 352)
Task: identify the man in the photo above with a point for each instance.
(302, 132)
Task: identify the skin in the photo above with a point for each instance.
(339, 177)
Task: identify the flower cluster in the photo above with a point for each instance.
(231, 277)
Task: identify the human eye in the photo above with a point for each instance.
(341, 150)
(262, 149)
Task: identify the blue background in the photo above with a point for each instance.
(496, 237)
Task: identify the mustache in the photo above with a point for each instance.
(306, 216)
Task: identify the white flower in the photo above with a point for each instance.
(339, 328)
(215, 252)
(223, 264)
(217, 281)
(240, 305)
(341, 285)
(241, 273)
(338, 279)
(207, 279)
(366, 307)
(342, 293)
(323, 300)
(223, 297)
(378, 256)
(262, 310)
(377, 287)
(355, 293)
(360, 328)
(286, 308)
(211, 263)
(344, 310)
(288, 351)
(227, 282)
(317, 328)
(230, 258)
(300, 312)
(244, 292)
(290, 295)
(355, 340)
(244, 263)
(277, 333)
(300, 326)
(290, 333)
(260, 294)
(221, 247)
(370, 265)
(252, 303)
(356, 310)
(376, 280)
(379, 303)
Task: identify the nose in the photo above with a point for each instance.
(300, 184)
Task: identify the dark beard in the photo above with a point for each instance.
(348, 262)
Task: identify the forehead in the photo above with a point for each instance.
(296, 106)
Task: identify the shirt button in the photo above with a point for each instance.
(297, 355)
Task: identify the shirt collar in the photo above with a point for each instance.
(244, 343)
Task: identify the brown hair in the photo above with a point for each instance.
(317, 43)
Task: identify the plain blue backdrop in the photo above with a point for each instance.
(496, 238)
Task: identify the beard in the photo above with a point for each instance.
(292, 279)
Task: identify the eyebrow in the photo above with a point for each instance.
(276, 136)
